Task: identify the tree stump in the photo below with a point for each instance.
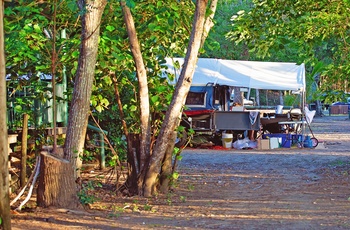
(56, 185)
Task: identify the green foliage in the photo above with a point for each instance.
(217, 45)
(161, 33)
(29, 46)
(183, 199)
(291, 100)
(190, 187)
(330, 96)
(163, 30)
(85, 195)
(303, 31)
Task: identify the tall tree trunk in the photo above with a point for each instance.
(63, 173)
(209, 22)
(80, 105)
(167, 169)
(5, 216)
(143, 92)
(173, 114)
(130, 186)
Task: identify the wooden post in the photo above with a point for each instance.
(24, 150)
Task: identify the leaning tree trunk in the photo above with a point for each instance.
(182, 88)
(64, 171)
(5, 216)
(168, 166)
(80, 105)
(209, 22)
(145, 138)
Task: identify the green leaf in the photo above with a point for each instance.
(174, 6)
(130, 4)
(110, 28)
(99, 108)
(171, 21)
(154, 99)
(37, 28)
(152, 26)
(175, 175)
(18, 108)
(133, 108)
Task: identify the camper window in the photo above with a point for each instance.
(196, 99)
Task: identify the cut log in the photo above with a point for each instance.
(57, 186)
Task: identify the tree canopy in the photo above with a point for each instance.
(314, 32)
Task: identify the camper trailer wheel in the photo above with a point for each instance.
(314, 142)
(181, 139)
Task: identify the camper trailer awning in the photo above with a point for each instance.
(250, 74)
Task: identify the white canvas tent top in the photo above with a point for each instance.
(249, 74)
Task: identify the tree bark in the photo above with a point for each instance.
(5, 216)
(57, 183)
(209, 22)
(173, 114)
(167, 169)
(131, 184)
(80, 105)
(145, 138)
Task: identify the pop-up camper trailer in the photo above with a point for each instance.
(208, 102)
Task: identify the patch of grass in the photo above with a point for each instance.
(147, 207)
(169, 199)
(190, 187)
(116, 212)
(183, 199)
(339, 163)
(114, 215)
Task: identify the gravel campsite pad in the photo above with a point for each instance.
(286, 188)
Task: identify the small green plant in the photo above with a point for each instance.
(116, 211)
(88, 156)
(169, 198)
(339, 163)
(183, 199)
(190, 187)
(114, 214)
(84, 194)
(147, 207)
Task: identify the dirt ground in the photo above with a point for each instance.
(232, 189)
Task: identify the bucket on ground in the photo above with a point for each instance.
(279, 109)
(227, 139)
(307, 142)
